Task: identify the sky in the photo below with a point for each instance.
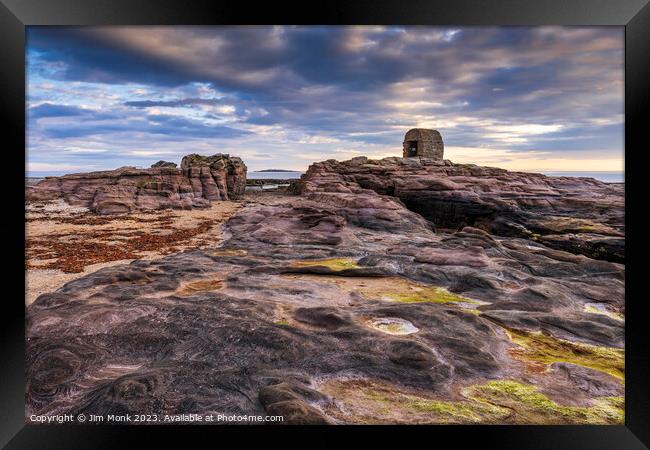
(520, 98)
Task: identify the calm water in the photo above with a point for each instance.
(608, 177)
(32, 180)
(273, 175)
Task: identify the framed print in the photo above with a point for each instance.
(401, 217)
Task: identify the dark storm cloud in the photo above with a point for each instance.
(89, 56)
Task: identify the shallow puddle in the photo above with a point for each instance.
(393, 325)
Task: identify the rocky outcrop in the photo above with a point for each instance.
(215, 176)
(580, 215)
(199, 181)
(477, 324)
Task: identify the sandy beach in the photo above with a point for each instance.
(65, 242)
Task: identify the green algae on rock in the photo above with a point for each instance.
(334, 264)
(461, 411)
(497, 401)
(599, 308)
(531, 406)
(427, 294)
(536, 347)
(374, 401)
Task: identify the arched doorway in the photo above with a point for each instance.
(412, 148)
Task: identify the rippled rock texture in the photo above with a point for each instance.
(200, 180)
(343, 306)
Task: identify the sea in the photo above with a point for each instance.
(606, 176)
(253, 175)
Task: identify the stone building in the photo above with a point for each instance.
(423, 142)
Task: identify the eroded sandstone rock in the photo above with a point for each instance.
(579, 215)
(276, 320)
(199, 181)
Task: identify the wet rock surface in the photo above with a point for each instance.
(275, 320)
(200, 180)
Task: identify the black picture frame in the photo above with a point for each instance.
(15, 15)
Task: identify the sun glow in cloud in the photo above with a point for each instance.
(546, 99)
(531, 160)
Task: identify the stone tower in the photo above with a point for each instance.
(423, 142)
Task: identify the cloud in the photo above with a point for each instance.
(53, 167)
(90, 151)
(174, 103)
(299, 93)
(52, 110)
(75, 113)
(534, 160)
